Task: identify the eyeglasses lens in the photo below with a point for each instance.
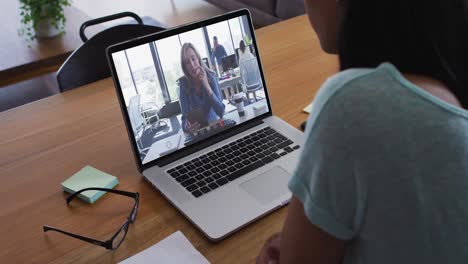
(120, 237)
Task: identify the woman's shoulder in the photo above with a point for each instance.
(246, 55)
(183, 83)
(358, 98)
(333, 87)
(211, 75)
(368, 99)
(356, 84)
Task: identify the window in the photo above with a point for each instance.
(136, 66)
(125, 78)
(197, 38)
(221, 30)
(244, 23)
(169, 55)
(236, 31)
(144, 74)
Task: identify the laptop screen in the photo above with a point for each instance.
(185, 87)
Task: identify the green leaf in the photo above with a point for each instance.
(33, 11)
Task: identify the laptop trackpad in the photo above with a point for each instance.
(268, 186)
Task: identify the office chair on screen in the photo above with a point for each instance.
(139, 123)
(88, 63)
(250, 77)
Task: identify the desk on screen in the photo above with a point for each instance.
(228, 86)
(158, 147)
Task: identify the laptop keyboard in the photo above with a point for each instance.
(231, 161)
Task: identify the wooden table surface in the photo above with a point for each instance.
(45, 142)
(21, 58)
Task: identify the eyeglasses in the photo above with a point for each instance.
(115, 241)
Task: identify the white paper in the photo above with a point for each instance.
(174, 249)
(308, 108)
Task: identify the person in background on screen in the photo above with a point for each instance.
(198, 88)
(244, 53)
(383, 174)
(218, 51)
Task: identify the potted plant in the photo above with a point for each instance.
(43, 18)
(247, 40)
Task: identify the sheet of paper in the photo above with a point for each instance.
(308, 108)
(174, 249)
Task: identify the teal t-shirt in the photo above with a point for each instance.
(385, 166)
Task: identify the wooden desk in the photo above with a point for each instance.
(21, 60)
(228, 86)
(43, 143)
(170, 12)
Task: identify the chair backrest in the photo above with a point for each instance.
(88, 63)
(136, 120)
(250, 73)
(170, 110)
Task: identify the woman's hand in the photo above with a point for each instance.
(201, 73)
(270, 253)
(192, 127)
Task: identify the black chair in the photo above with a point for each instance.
(88, 63)
(170, 110)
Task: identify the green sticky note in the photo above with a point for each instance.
(89, 177)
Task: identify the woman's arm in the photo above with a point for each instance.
(215, 98)
(184, 103)
(301, 241)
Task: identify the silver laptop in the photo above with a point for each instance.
(196, 108)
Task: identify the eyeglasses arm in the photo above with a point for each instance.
(128, 194)
(87, 239)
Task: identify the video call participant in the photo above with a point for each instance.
(198, 89)
(383, 173)
(244, 52)
(217, 52)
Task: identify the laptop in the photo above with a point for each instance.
(222, 163)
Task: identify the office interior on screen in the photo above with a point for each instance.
(160, 99)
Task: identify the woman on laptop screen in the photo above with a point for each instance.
(383, 175)
(199, 95)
